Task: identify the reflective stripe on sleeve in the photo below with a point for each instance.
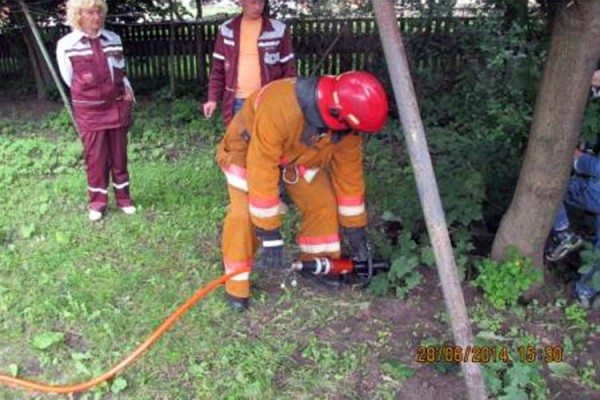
(269, 44)
(112, 48)
(286, 58)
(236, 177)
(77, 52)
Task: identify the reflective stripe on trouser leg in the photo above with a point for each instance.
(97, 161)
(319, 228)
(238, 243)
(117, 144)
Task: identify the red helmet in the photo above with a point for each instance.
(352, 100)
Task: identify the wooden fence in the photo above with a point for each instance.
(354, 43)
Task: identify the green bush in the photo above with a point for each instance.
(503, 283)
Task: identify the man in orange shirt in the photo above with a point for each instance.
(305, 131)
(251, 50)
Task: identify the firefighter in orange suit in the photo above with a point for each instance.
(305, 129)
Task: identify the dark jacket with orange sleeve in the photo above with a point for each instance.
(268, 133)
(276, 58)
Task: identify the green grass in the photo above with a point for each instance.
(77, 297)
(99, 289)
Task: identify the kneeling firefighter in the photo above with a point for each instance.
(304, 131)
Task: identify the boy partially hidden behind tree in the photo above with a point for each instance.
(583, 192)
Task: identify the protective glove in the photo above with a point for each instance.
(271, 253)
(357, 239)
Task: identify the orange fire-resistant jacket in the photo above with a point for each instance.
(267, 134)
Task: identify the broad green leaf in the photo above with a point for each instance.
(47, 339)
(118, 385)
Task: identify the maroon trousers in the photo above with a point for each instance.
(106, 151)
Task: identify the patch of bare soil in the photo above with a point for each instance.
(405, 323)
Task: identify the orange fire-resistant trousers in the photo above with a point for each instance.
(318, 235)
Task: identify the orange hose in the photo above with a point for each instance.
(167, 324)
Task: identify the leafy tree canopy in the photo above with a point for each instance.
(53, 11)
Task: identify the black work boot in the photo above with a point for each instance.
(562, 243)
(239, 304)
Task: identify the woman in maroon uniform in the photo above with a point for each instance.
(91, 62)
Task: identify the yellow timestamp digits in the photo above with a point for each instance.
(457, 354)
(530, 354)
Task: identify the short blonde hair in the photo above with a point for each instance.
(74, 7)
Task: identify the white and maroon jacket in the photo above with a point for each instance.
(94, 69)
(275, 54)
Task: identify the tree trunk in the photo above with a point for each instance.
(200, 48)
(574, 52)
(41, 73)
(171, 51)
(198, 9)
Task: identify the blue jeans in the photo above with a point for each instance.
(582, 193)
(237, 105)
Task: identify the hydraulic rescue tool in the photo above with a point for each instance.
(342, 267)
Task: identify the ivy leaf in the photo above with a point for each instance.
(403, 265)
(118, 385)
(47, 339)
(379, 285)
(520, 375)
(493, 383)
(81, 368)
(427, 256)
(413, 280)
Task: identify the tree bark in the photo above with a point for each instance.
(171, 50)
(574, 52)
(200, 48)
(41, 73)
